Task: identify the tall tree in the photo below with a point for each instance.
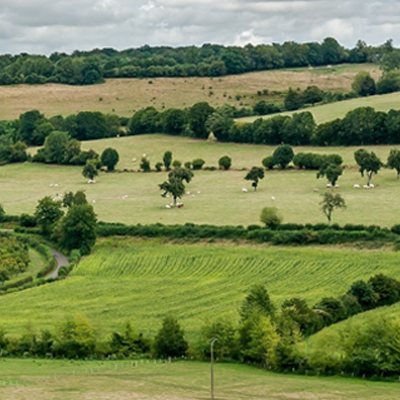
(255, 174)
(170, 340)
(369, 163)
(174, 184)
(330, 202)
(47, 213)
(77, 230)
(393, 161)
(90, 169)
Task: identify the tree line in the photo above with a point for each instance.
(263, 334)
(90, 67)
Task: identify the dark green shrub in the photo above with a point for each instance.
(198, 163)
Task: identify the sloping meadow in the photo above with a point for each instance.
(142, 281)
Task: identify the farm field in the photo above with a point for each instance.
(62, 380)
(329, 339)
(220, 201)
(328, 112)
(142, 281)
(125, 96)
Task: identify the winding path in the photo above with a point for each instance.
(61, 260)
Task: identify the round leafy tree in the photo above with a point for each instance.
(225, 162)
(109, 158)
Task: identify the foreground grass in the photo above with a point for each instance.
(125, 96)
(62, 380)
(142, 281)
(329, 112)
(220, 201)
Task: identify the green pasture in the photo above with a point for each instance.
(215, 197)
(63, 380)
(142, 281)
(329, 112)
(329, 339)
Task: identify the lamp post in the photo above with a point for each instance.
(212, 366)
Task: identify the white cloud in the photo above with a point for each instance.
(65, 25)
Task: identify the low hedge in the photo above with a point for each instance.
(286, 234)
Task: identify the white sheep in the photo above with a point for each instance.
(328, 185)
(315, 190)
(244, 190)
(356, 186)
(371, 185)
(273, 198)
(366, 187)
(337, 186)
(167, 206)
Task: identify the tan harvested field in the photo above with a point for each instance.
(124, 96)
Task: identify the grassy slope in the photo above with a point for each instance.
(124, 96)
(221, 200)
(62, 380)
(329, 112)
(329, 339)
(143, 281)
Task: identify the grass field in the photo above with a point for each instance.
(220, 201)
(142, 281)
(329, 112)
(61, 380)
(124, 96)
(329, 339)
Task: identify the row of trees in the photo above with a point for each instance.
(89, 67)
(262, 335)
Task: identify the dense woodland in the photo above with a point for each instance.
(90, 67)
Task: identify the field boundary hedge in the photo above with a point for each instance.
(286, 234)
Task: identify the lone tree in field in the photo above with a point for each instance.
(270, 217)
(90, 169)
(109, 158)
(331, 171)
(283, 155)
(167, 160)
(174, 184)
(369, 163)
(255, 174)
(330, 202)
(225, 162)
(393, 161)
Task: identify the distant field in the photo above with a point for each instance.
(329, 112)
(124, 96)
(90, 380)
(142, 281)
(220, 201)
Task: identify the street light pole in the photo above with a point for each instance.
(212, 367)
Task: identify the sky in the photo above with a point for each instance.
(46, 26)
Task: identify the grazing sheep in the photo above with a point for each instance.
(366, 187)
(337, 186)
(315, 190)
(328, 185)
(125, 196)
(198, 192)
(371, 185)
(93, 201)
(273, 198)
(244, 190)
(91, 181)
(167, 206)
(356, 186)
(187, 192)
(134, 159)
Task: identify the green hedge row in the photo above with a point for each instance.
(284, 234)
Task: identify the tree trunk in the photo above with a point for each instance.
(369, 178)
(174, 201)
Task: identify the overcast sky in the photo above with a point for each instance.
(44, 26)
